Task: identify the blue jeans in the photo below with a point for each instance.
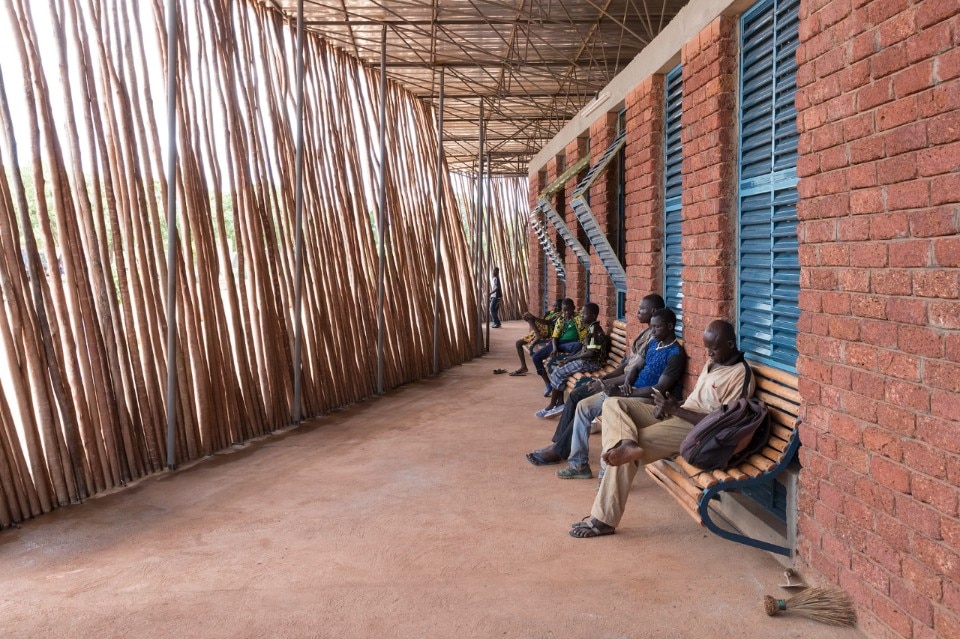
(541, 356)
(587, 410)
(495, 311)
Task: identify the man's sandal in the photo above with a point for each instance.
(590, 528)
(537, 459)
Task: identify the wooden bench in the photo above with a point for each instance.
(695, 489)
(618, 350)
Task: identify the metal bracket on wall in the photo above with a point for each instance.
(551, 213)
(608, 257)
(565, 233)
(551, 251)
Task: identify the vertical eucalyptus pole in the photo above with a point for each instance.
(172, 238)
(438, 205)
(298, 247)
(381, 218)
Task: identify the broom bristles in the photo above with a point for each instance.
(826, 605)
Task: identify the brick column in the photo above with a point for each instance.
(535, 252)
(576, 274)
(603, 203)
(878, 106)
(709, 134)
(644, 194)
(556, 288)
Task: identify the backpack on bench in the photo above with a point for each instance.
(729, 435)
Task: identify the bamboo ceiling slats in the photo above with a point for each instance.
(83, 237)
(533, 65)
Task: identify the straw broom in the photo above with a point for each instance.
(826, 605)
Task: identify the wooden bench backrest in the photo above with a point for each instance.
(618, 348)
(618, 342)
(778, 390)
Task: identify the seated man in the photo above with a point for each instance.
(568, 334)
(588, 358)
(541, 328)
(638, 433)
(560, 449)
(661, 371)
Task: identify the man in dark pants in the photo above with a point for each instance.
(495, 296)
(560, 449)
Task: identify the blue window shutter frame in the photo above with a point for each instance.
(768, 266)
(672, 191)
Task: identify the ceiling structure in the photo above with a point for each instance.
(533, 64)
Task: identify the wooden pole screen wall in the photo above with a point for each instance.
(82, 239)
(509, 229)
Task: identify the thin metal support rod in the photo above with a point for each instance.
(172, 239)
(298, 246)
(489, 263)
(478, 230)
(438, 205)
(382, 216)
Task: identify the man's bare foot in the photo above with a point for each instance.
(623, 453)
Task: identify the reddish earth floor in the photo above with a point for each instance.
(415, 515)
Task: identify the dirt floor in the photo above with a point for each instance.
(411, 516)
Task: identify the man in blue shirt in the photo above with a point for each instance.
(662, 367)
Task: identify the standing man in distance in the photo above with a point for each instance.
(496, 294)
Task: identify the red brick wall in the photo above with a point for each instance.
(709, 135)
(555, 286)
(535, 254)
(879, 118)
(603, 203)
(576, 273)
(644, 194)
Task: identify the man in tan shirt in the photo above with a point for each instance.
(636, 433)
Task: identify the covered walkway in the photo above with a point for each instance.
(414, 515)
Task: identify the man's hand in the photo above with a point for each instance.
(620, 390)
(665, 405)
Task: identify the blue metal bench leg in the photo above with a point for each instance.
(704, 508)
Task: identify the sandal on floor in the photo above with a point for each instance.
(499, 371)
(590, 528)
(537, 459)
(518, 373)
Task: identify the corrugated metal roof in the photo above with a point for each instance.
(534, 63)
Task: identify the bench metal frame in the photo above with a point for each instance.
(703, 504)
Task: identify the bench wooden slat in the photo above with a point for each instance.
(774, 388)
(777, 416)
(656, 472)
(779, 444)
(771, 453)
(618, 349)
(761, 462)
(694, 474)
(618, 338)
(781, 431)
(671, 471)
(774, 401)
(786, 379)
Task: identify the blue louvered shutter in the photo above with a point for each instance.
(672, 190)
(768, 266)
